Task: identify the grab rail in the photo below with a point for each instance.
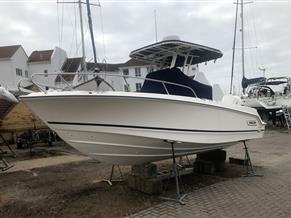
(96, 77)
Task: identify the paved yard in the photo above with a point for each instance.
(51, 184)
(268, 196)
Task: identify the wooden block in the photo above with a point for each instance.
(236, 161)
(145, 170)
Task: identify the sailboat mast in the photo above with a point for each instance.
(91, 30)
(233, 48)
(242, 42)
(84, 67)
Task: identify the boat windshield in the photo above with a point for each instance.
(260, 91)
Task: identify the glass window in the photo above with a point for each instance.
(137, 72)
(126, 87)
(26, 73)
(125, 72)
(138, 87)
(18, 72)
(45, 72)
(149, 69)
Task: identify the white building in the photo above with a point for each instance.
(112, 73)
(13, 66)
(134, 68)
(47, 62)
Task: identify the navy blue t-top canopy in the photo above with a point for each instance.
(175, 75)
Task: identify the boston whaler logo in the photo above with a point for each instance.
(252, 122)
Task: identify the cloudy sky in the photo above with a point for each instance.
(122, 26)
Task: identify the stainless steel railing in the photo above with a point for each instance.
(97, 77)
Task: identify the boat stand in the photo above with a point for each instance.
(179, 197)
(250, 172)
(5, 164)
(110, 180)
(7, 145)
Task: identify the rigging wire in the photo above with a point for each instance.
(58, 23)
(62, 25)
(103, 34)
(76, 26)
(254, 37)
(249, 63)
(258, 53)
(74, 32)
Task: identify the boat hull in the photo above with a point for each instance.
(268, 103)
(130, 128)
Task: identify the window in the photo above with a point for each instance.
(18, 72)
(125, 72)
(137, 72)
(138, 87)
(45, 72)
(126, 87)
(150, 69)
(26, 73)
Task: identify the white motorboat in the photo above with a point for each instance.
(268, 95)
(6, 95)
(130, 127)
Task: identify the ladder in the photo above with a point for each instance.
(287, 117)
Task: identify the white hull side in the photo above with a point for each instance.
(130, 128)
(268, 103)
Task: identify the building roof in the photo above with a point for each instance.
(64, 77)
(103, 66)
(71, 65)
(115, 67)
(39, 56)
(134, 63)
(8, 51)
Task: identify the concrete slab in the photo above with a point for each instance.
(27, 165)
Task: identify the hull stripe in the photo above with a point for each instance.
(146, 127)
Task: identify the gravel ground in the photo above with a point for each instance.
(75, 189)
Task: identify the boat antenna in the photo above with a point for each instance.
(156, 27)
(263, 69)
(91, 29)
(233, 48)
